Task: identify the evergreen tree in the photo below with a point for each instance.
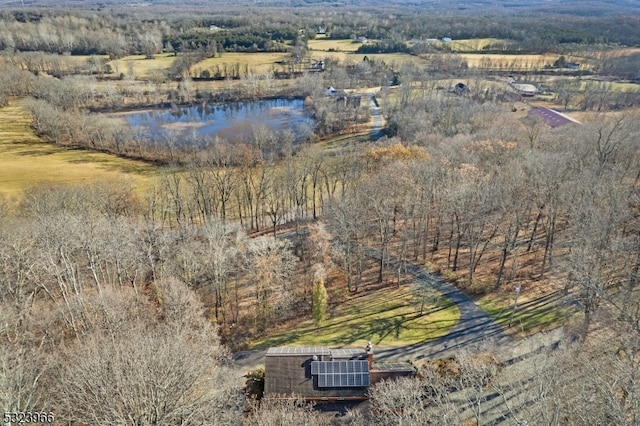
(320, 301)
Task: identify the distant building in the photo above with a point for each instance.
(524, 89)
(423, 40)
(323, 374)
(321, 30)
(317, 66)
(460, 89)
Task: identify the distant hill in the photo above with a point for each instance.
(573, 7)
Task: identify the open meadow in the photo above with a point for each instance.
(26, 162)
(385, 317)
(321, 43)
(140, 67)
(255, 63)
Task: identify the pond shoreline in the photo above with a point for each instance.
(232, 121)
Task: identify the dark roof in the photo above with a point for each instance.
(390, 366)
(347, 353)
(344, 353)
(298, 351)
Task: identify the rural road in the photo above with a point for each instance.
(475, 329)
(376, 116)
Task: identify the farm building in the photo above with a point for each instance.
(524, 89)
(322, 374)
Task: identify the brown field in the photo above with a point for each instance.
(324, 44)
(142, 68)
(470, 45)
(26, 162)
(257, 63)
(515, 62)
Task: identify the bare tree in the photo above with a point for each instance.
(173, 374)
(272, 264)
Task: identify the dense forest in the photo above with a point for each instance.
(105, 33)
(122, 304)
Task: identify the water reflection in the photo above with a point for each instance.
(235, 121)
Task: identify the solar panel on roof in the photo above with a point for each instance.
(298, 350)
(339, 367)
(329, 380)
(357, 378)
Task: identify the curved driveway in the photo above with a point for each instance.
(475, 329)
(376, 116)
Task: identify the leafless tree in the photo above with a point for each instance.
(272, 264)
(173, 374)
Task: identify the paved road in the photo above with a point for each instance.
(474, 329)
(376, 115)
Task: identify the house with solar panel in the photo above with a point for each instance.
(319, 373)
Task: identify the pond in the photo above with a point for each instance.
(230, 121)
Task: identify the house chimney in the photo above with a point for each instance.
(369, 350)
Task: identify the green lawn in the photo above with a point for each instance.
(387, 317)
(531, 317)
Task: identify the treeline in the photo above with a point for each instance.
(61, 110)
(530, 34)
(247, 40)
(81, 33)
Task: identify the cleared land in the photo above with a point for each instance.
(386, 317)
(325, 44)
(140, 66)
(471, 45)
(533, 313)
(26, 162)
(257, 63)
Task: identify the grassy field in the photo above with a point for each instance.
(344, 51)
(540, 313)
(26, 162)
(386, 317)
(257, 63)
(470, 45)
(515, 62)
(610, 86)
(140, 66)
(325, 45)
